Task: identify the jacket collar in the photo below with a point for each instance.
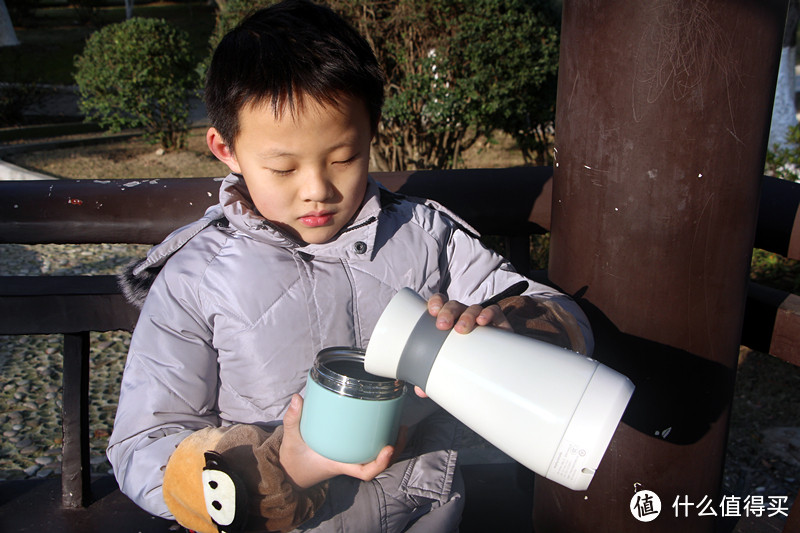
(355, 241)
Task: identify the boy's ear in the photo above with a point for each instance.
(221, 150)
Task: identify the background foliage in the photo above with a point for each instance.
(138, 73)
(456, 70)
(490, 40)
(511, 49)
(459, 70)
(51, 34)
(767, 267)
(784, 161)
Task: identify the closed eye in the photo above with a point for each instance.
(347, 161)
(278, 172)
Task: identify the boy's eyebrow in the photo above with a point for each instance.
(285, 153)
(275, 153)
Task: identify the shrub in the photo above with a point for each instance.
(458, 69)
(138, 74)
(510, 49)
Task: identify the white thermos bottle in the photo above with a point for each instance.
(550, 409)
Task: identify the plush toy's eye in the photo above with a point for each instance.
(225, 494)
(220, 494)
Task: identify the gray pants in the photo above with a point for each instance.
(420, 493)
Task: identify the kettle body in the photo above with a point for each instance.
(550, 409)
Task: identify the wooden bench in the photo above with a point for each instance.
(511, 203)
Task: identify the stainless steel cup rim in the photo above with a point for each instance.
(327, 371)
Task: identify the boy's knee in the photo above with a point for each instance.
(415, 497)
(422, 492)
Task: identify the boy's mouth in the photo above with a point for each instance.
(313, 220)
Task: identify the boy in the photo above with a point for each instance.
(303, 252)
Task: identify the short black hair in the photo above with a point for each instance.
(284, 52)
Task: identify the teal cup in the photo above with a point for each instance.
(349, 415)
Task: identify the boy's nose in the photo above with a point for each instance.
(316, 186)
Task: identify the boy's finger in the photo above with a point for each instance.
(468, 319)
(435, 303)
(291, 420)
(493, 315)
(368, 471)
(449, 314)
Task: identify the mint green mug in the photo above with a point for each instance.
(349, 415)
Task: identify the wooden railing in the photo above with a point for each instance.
(513, 203)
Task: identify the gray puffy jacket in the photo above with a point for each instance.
(237, 312)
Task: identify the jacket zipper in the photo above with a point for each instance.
(354, 309)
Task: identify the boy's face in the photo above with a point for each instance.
(307, 171)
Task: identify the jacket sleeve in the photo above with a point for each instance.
(474, 273)
(168, 389)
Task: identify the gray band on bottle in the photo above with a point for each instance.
(420, 351)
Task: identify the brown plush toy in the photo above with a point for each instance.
(229, 479)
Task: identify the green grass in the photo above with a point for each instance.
(52, 37)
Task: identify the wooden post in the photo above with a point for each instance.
(662, 120)
(75, 468)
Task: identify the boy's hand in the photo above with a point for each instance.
(462, 318)
(454, 314)
(306, 468)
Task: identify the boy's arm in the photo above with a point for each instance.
(168, 391)
(475, 273)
